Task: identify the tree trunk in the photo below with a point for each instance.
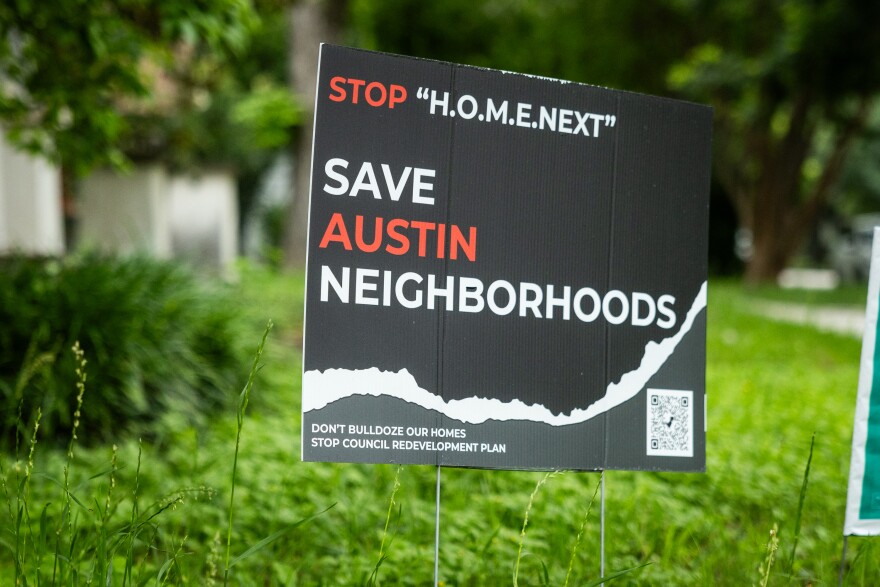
(778, 214)
(311, 22)
(771, 251)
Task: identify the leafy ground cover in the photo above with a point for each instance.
(158, 339)
(157, 511)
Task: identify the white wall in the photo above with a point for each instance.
(204, 218)
(151, 211)
(31, 219)
(125, 212)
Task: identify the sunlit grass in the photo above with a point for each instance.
(771, 386)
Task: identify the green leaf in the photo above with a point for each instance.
(273, 537)
(615, 575)
(162, 571)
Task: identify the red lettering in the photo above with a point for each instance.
(423, 228)
(335, 86)
(368, 94)
(376, 94)
(359, 235)
(441, 241)
(469, 246)
(336, 233)
(392, 227)
(397, 95)
(356, 84)
(451, 240)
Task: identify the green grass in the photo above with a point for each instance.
(851, 294)
(771, 386)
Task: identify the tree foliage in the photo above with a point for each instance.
(624, 43)
(792, 82)
(72, 71)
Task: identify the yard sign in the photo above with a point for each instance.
(863, 497)
(504, 271)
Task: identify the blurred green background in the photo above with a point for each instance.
(231, 82)
(165, 474)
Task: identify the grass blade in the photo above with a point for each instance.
(522, 534)
(615, 575)
(275, 536)
(129, 551)
(800, 508)
(390, 509)
(580, 534)
(242, 408)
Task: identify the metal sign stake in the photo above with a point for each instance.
(437, 533)
(602, 525)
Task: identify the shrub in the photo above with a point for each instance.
(156, 338)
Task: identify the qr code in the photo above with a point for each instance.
(670, 423)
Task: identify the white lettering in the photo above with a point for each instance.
(416, 302)
(373, 287)
(565, 120)
(445, 292)
(419, 185)
(564, 302)
(493, 113)
(330, 171)
(548, 118)
(527, 303)
(523, 115)
(612, 295)
(663, 303)
(638, 300)
(470, 112)
(470, 298)
(597, 304)
(366, 180)
(511, 297)
(444, 102)
(581, 123)
(328, 280)
(361, 287)
(394, 190)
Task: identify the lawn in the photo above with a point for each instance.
(157, 511)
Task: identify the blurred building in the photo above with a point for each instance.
(151, 210)
(31, 218)
(147, 210)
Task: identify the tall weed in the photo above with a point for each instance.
(94, 524)
(243, 400)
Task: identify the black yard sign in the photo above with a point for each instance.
(504, 271)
